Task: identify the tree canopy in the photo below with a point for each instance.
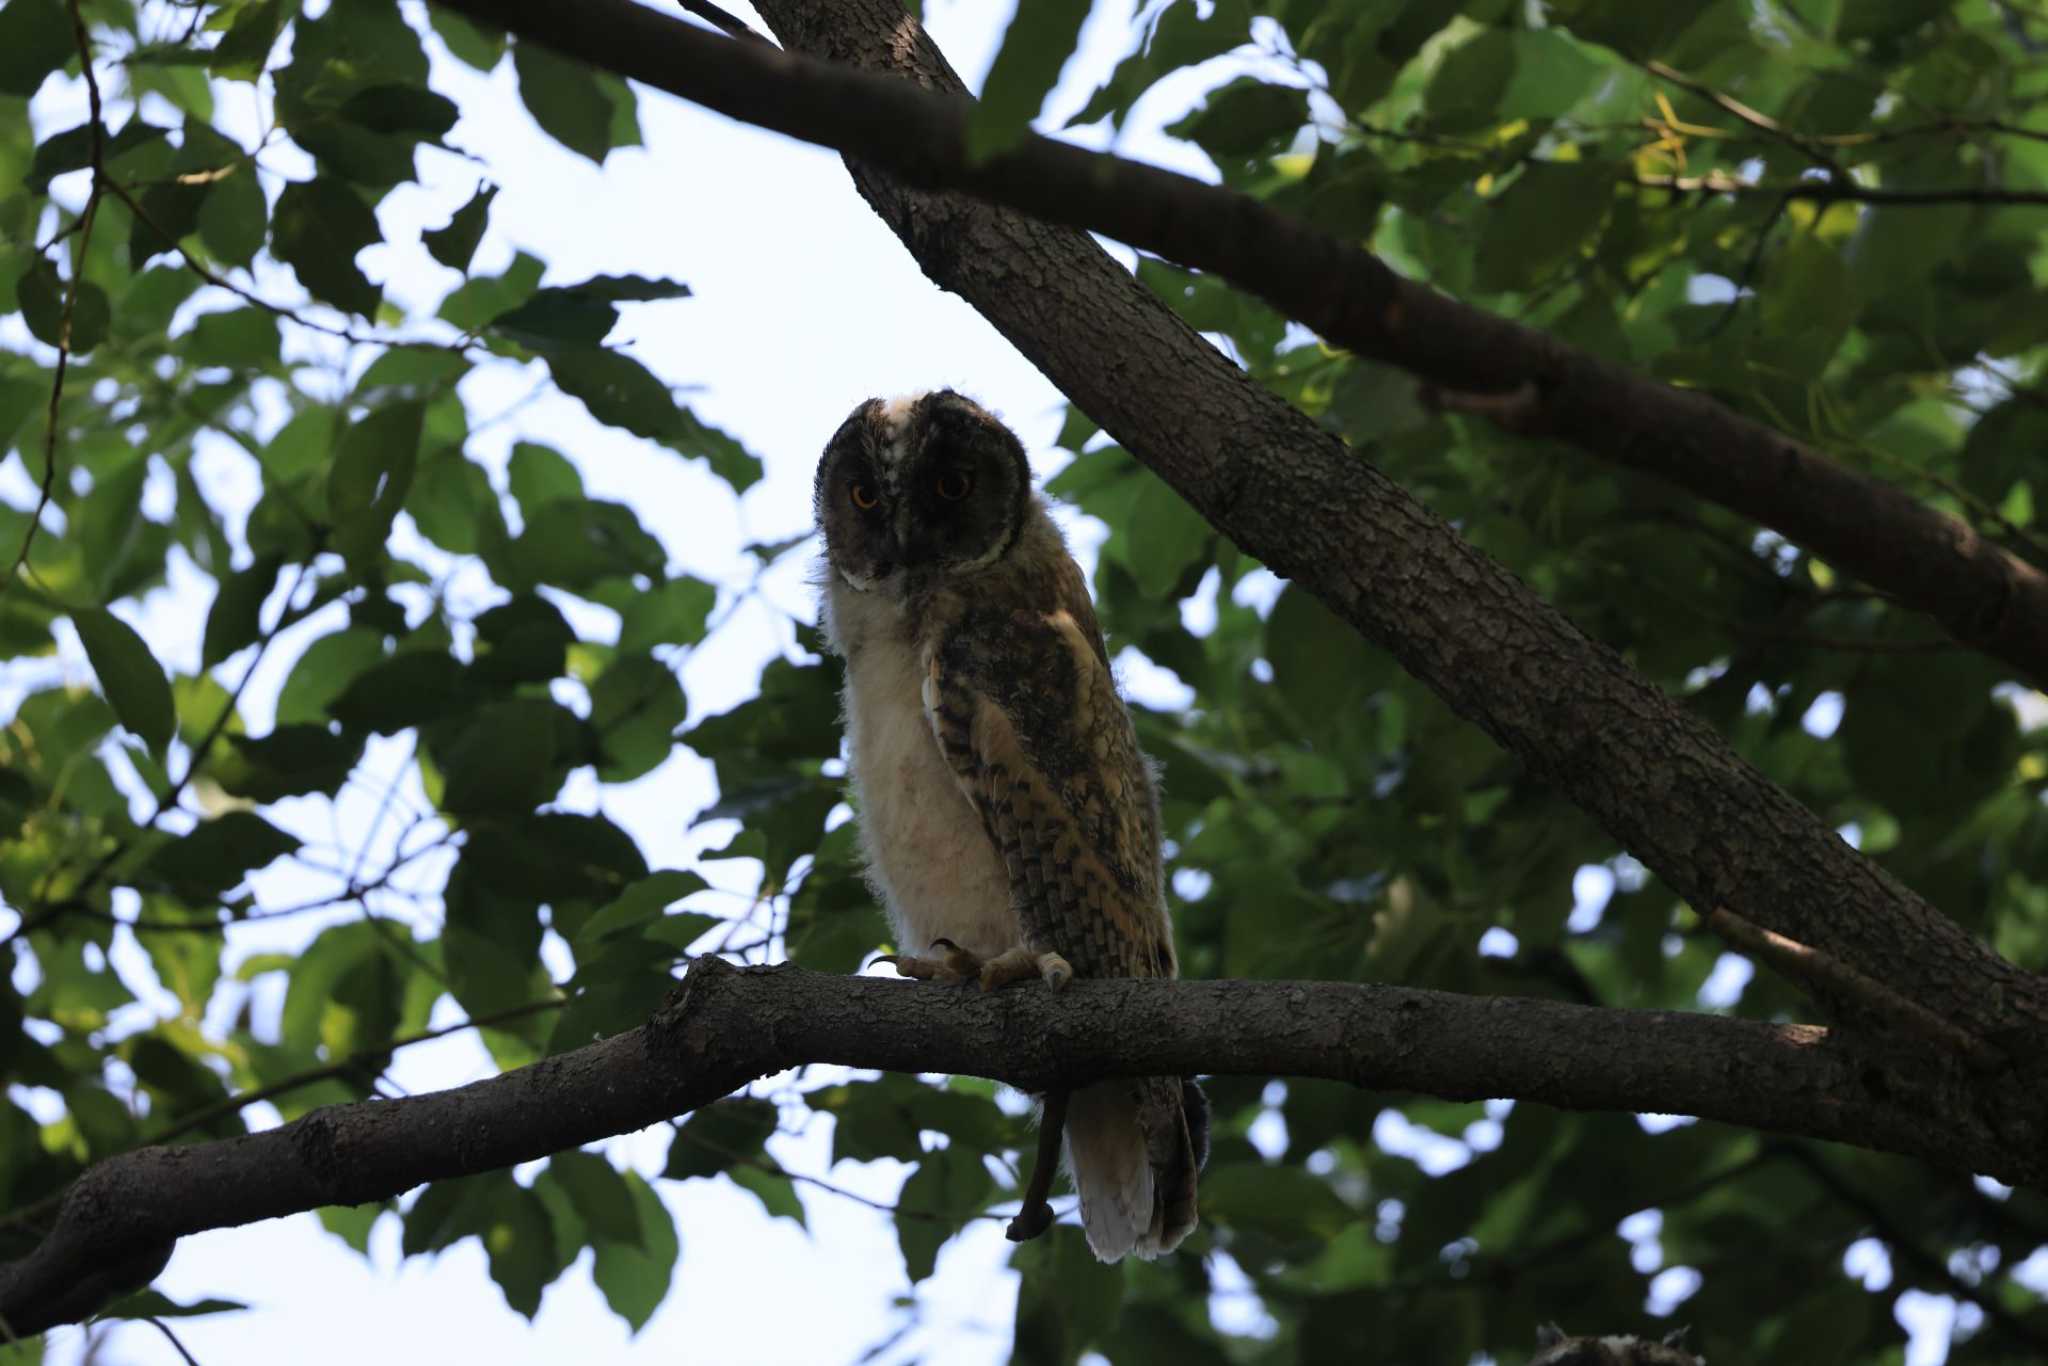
(1569, 477)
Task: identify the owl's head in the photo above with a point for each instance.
(931, 484)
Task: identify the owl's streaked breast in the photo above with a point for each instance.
(929, 860)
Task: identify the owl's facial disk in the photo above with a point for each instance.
(931, 484)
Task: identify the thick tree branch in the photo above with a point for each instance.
(1297, 498)
(1924, 558)
(728, 1026)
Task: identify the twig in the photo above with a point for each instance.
(1835, 191)
(158, 1323)
(86, 218)
(1756, 119)
(1749, 266)
(774, 1168)
(1805, 963)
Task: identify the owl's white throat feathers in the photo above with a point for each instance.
(928, 858)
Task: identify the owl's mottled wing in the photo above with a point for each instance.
(1025, 710)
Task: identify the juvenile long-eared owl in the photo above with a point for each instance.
(1010, 823)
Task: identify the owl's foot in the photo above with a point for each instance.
(1020, 963)
(945, 961)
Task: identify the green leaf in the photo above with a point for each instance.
(35, 39)
(948, 1187)
(601, 1197)
(479, 45)
(540, 475)
(635, 1280)
(409, 689)
(471, 305)
(1468, 84)
(503, 759)
(638, 906)
(1245, 117)
(619, 392)
(372, 474)
(1164, 538)
(148, 1304)
(1552, 74)
(454, 246)
(572, 542)
(776, 1192)
(244, 50)
(241, 338)
(220, 853)
(716, 1136)
(519, 1239)
(1320, 665)
(575, 317)
(525, 640)
(130, 678)
(401, 107)
(729, 460)
(352, 1223)
(673, 614)
(454, 506)
(323, 671)
(1285, 1202)
(1541, 222)
(319, 227)
(491, 947)
(636, 707)
(291, 761)
(1036, 45)
(236, 618)
(43, 296)
(564, 99)
(1067, 1301)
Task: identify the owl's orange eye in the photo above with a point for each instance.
(863, 496)
(953, 486)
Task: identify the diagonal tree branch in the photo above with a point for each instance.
(726, 1026)
(1294, 496)
(1924, 558)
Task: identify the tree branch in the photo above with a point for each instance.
(1294, 496)
(1928, 560)
(727, 1026)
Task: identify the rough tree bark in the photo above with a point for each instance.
(726, 1026)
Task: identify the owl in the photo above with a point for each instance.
(1010, 824)
(1553, 1348)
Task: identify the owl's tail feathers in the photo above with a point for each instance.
(1135, 1145)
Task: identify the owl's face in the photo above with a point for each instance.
(911, 487)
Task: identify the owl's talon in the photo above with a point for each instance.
(1011, 965)
(908, 965)
(944, 962)
(1056, 971)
